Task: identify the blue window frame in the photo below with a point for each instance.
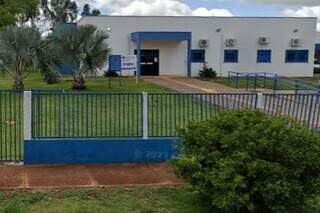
(264, 56)
(297, 56)
(198, 56)
(231, 56)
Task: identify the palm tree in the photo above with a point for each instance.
(84, 48)
(49, 61)
(18, 52)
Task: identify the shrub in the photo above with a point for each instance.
(207, 72)
(246, 161)
(51, 76)
(110, 74)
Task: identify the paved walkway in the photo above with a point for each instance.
(190, 85)
(72, 176)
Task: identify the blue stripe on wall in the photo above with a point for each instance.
(87, 151)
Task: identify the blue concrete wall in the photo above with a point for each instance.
(86, 151)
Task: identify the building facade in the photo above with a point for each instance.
(181, 45)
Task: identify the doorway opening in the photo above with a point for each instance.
(149, 62)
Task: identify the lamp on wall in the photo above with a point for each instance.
(295, 30)
(108, 29)
(218, 30)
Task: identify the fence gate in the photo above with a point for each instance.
(11, 125)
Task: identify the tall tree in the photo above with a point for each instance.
(84, 48)
(13, 11)
(96, 12)
(57, 11)
(86, 10)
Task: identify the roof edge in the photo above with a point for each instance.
(204, 17)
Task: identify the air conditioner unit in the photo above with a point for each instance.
(203, 43)
(263, 40)
(295, 42)
(231, 42)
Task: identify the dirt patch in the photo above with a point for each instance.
(11, 177)
(74, 176)
(57, 176)
(132, 174)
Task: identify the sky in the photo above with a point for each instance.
(296, 8)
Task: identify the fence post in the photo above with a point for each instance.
(259, 101)
(145, 115)
(27, 96)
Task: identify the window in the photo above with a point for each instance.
(231, 56)
(297, 56)
(264, 56)
(198, 56)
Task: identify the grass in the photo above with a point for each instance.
(262, 83)
(119, 115)
(120, 199)
(94, 84)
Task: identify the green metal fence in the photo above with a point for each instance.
(168, 112)
(58, 114)
(86, 115)
(11, 125)
(304, 108)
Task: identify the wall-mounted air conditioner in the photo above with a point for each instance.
(203, 43)
(231, 42)
(295, 42)
(264, 41)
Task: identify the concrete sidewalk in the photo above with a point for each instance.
(190, 85)
(74, 176)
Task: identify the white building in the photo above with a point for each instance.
(180, 45)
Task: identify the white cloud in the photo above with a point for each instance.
(305, 12)
(202, 11)
(152, 7)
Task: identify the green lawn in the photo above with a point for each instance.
(94, 84)
(113, 200)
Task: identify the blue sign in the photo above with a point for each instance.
(115, 63)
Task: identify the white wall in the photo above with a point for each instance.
(246, 30)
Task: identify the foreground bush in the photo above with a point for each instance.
(245, 161)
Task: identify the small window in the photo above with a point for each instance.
(231, 56)
(264, 56)
(198, 56)
(297, 56)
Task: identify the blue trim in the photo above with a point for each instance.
(297, 56)
(264, 56)
(138, 57)
(64, 25)
(175, 36)
(231, 56)
(189, 56)
(201, 56)
(162, 36)
(80, 151)
(66, 68)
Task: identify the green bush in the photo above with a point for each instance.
(207, 72)
(51, 76)
(245, 161)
